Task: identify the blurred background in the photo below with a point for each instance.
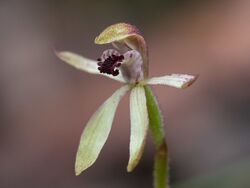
(45, 103)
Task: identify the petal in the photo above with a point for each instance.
(126, 35)
(84, 64)
(96, 131)
(175, 80)
(139, 125)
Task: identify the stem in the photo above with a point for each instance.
(161, 174)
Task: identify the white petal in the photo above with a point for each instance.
(96, 131)
(139, 126)
(174, 80)
(84, 64)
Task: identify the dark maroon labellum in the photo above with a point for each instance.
(110, 64)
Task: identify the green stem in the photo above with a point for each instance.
(161, 174)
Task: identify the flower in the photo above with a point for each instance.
(127, 63)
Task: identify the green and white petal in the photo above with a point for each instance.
(175, 80)
(84, 64)
(96, 131)
(139, 126)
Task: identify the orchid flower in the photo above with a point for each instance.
(127, 63)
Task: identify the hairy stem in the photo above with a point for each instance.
(161, 174)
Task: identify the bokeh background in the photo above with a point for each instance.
(45, 104)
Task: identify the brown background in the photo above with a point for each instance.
(45, 104)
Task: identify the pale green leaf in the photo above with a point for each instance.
(96, 131)
(84, 64)
(139, 126)
(175, 80)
